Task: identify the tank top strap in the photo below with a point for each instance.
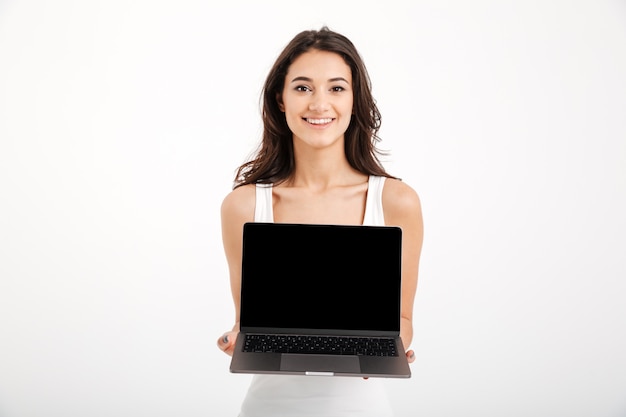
(263, 209)
(374, 215)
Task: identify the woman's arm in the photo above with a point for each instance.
(402, 207)
(237, 209)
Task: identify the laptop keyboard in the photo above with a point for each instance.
(333, 345)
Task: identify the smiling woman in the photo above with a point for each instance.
(318, 164)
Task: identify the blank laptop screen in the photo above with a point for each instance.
(321, 277)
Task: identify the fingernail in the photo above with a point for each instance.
(412, 355)
(225, 339)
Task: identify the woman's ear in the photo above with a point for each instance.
(279, 100)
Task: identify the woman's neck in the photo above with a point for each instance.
(321, 169)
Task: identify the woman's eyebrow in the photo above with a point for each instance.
(307, 79)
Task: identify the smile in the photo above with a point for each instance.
(319, 121)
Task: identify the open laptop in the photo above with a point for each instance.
(334, 288)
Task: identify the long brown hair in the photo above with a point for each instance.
(274, 160)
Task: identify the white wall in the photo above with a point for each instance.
(121, 124)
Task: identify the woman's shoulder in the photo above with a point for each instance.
(240, 202)
(400, 199)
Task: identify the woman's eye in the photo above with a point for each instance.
(303, 88)
(337, 89)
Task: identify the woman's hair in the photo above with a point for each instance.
(274, 160)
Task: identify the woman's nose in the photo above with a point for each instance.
(319, 103)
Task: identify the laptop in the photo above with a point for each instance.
(320, 299)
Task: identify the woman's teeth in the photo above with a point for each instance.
(319, 121)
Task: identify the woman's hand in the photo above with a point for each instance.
(226, 342)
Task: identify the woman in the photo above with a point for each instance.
(318, 163)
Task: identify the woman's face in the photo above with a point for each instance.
(317, 99)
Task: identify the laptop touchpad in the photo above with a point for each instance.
(319, 363)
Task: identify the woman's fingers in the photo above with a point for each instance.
(226, 342)
(410, 356)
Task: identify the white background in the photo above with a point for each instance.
(121, 125)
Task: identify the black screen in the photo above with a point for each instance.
(321, 276)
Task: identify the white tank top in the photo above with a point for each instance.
(264, 212)
(318, 396)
